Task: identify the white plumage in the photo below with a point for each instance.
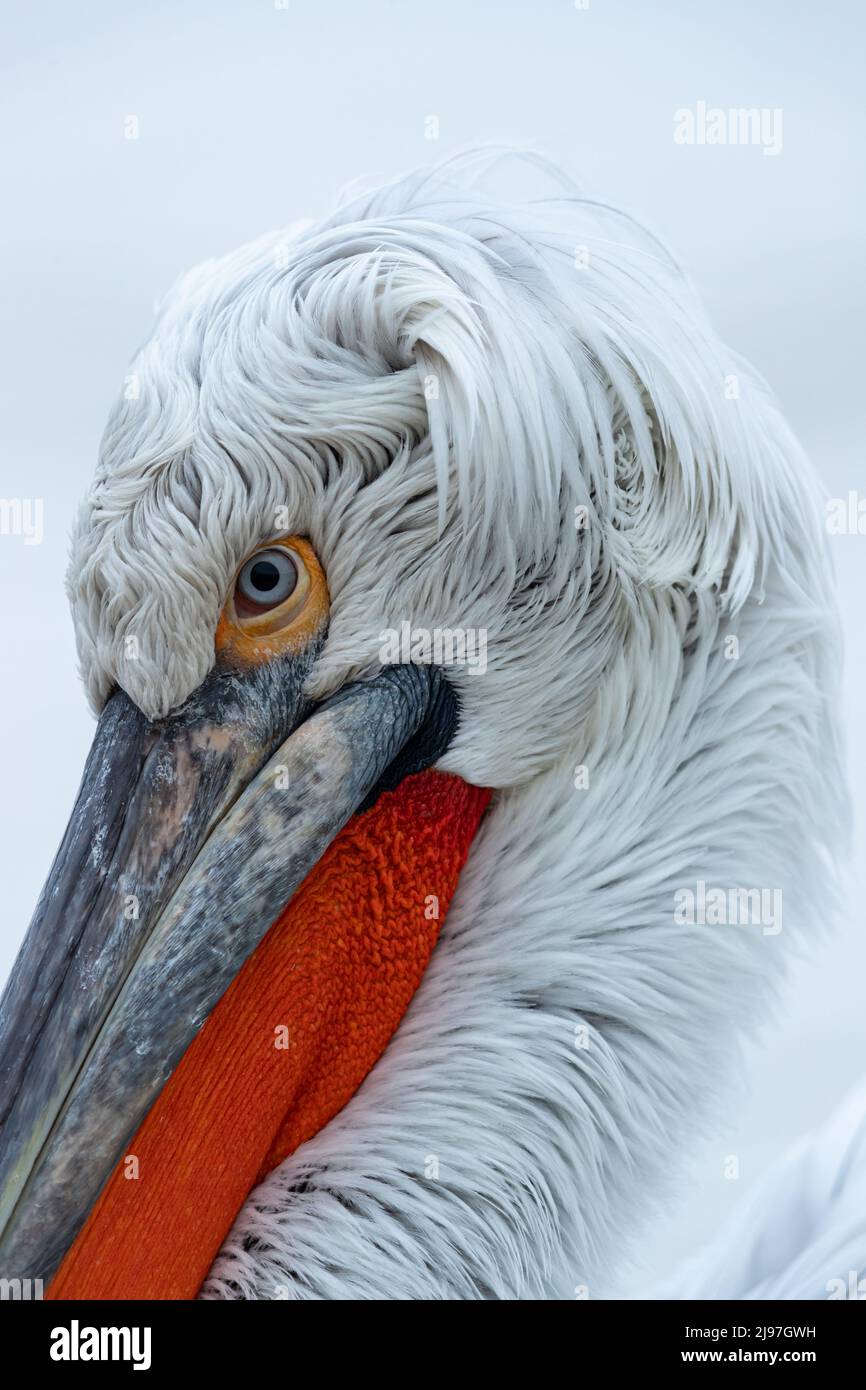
(802, 1232)
(511, 417)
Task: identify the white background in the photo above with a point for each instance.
(251, 116)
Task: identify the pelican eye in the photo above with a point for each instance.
(279, 600)
(273, 586)
(267, 579)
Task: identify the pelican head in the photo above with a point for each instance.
(438, 499)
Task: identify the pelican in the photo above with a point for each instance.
(368, 968)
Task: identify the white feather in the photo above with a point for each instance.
(802, 1232)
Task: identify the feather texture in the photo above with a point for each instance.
(511, 417)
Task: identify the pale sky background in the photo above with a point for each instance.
(252, 115)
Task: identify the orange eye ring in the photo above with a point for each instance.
(251, 632)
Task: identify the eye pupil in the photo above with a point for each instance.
(267, 579)
(264, 575)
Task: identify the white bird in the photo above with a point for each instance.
(509, 419)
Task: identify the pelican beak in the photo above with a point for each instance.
(188, 838)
